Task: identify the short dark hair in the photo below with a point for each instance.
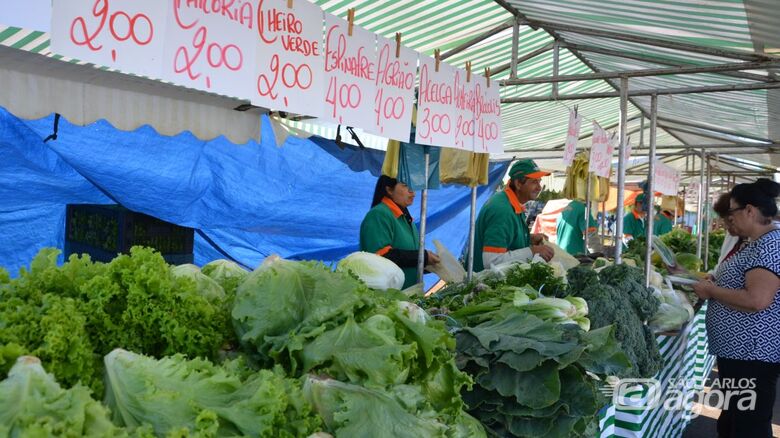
(761, 194)
(721, 205)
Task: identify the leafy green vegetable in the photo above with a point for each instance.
(539, 276)
(227, 274)
(206, 287)
(32, 404)
(174, 393)
(530, 374)
(401, 411)
(631, 282)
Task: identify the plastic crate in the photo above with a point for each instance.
(103, 231)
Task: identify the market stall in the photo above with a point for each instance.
(164, 109)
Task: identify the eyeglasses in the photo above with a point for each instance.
(731, 211)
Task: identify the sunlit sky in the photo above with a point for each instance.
(30, 14)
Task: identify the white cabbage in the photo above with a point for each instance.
(376, 271)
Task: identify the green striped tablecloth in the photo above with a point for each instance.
(687, 364)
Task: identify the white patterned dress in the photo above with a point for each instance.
(740, 335)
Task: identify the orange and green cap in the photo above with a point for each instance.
(526, 168)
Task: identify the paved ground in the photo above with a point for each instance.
(704, 425)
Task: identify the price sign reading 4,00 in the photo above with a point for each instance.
(289, 54)
(487, 117)
(210, 48)
(394, 91)
(350, 73)
(600, 152)
(122, 34)
(435, 104)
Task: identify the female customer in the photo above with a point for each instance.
(731, 242)
(388, 229)
(743, 318)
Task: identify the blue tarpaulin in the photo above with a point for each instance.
(303, 200)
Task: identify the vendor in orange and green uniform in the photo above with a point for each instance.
(388, 229)
(662, 222)
(501, 232)
(634, 221)
(572, 228)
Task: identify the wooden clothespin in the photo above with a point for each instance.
(575, 110)
(398, 44)
(351, 20)
(289, 4)
(487, 76)
(437, 57)
(468, 71)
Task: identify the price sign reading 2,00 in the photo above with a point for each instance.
(300, 77)
(436, 123)
(464, 129)
(342, 96)
(121, 25)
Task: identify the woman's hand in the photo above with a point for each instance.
(433, 258)
(703, 289)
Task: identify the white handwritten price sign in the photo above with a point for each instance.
(600, 152)
(126, 35)
(487, 117)
(463, 112)
(211, 48)
(394, 97)
(289, 71)
(350, 73)
(667, 179)
(572, 136)
(435, 104)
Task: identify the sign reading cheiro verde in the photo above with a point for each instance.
(289, 70)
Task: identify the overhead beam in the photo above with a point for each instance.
(522, 59)
(498, 29)
(633, 93)
(717, 135)
(735, 66)
(652, 41)
(651, 59)
(713, 129)
(590, 134)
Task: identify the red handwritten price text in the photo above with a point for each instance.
(289, 27)
(292, 76)
(390, 73)
(228, 56)
(239, 11)
(121, 25)
(342, 94)
(438, 93)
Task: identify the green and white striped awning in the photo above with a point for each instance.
(747, 27)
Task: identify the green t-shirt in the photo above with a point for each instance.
(633, 226)
(384, 228)
(571, 228)
(501, 226)
(661, 225)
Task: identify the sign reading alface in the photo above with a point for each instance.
(293, 58)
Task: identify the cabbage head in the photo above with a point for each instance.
(375, 271)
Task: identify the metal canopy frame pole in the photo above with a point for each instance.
(706, 216)
(520, 60)
(659, 91)
(472, 230)
(699, 209)
(515, 43)
(423, 217)
(737, 66)
(621, 179)
(724, 53)
(496, 30)
(556, 59)
(651, 188)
